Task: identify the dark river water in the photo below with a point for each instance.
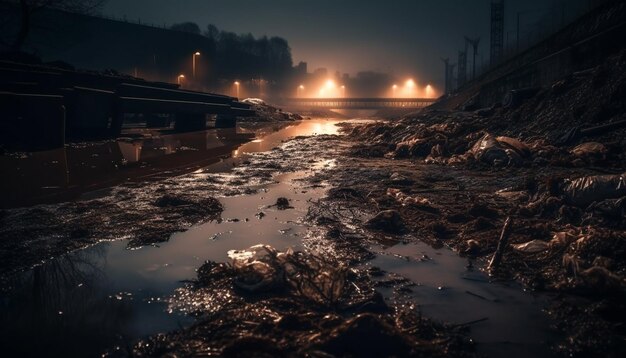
(108, 295)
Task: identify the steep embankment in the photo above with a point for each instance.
(538, 183)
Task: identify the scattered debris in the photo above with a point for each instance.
(532, 247)
(502, 244)
(586, 190)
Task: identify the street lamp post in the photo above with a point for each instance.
(193, 64)
(394, 88)
(180, 78)
(300, 90)
(237, 88)
(343, 91)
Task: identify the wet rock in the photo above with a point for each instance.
(282, 204)
(388, 221)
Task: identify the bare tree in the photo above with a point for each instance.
(28, 7)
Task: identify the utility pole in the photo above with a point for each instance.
(462, 77)
(497, 31)
(446, 62)
(474, 43)
(451, 76)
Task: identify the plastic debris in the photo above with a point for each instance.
(261, 268)
(489, 151)
(589, 149)
(532, 247)
(500, 150)
(586, 190)
(519, 147)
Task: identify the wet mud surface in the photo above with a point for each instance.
(365, 256)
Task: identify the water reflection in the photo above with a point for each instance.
(75, 169)
(62, 309)
(449, 291)
(106, 295)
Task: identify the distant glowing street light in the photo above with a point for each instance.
(330, 84)
(394, 89)
(180, 79)
(343, 91)
(429, 91)
(193, 64)
(300, 90)
(410, 86)
(237, 87)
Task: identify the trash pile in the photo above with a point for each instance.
(535, 189)
(577, 122)
(266, 309)
(262, 268)
(268, 113)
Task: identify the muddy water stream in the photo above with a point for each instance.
(106, 295)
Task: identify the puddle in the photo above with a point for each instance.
(447, 290)
(106, 295)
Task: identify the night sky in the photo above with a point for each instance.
(402, 37)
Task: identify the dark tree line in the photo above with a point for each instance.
(242, 55)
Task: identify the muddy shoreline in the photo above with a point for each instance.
(347, 207)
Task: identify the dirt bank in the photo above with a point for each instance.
(553, 164)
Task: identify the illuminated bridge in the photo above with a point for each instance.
(359, 103)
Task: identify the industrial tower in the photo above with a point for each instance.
(474, 43)
(497, 31)
(462, 74)
(446, 62)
